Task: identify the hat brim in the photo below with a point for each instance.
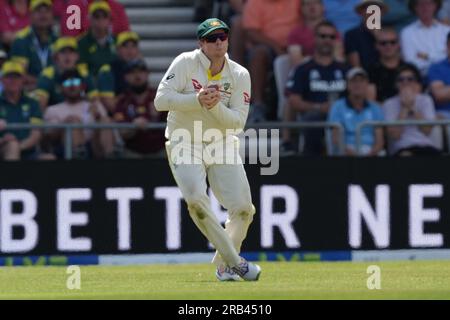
(214, 29)
(361, 6)
(10, 73)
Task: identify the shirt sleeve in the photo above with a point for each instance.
(106, 85)
(378, 113)
(235, 116)
(19, 51)
(334, 115)
(36, 114)
(427, 108)
(297, 84)
(170, 96)
(44, 86)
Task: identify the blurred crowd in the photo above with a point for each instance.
(310, 60)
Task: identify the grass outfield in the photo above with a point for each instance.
(290, 280)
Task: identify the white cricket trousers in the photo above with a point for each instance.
(230, 186)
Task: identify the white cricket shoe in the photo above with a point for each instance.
(225, 273)
(247, 270)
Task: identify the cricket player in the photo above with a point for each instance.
(205, 87)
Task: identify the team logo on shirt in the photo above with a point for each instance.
(170, 76)
(226, 86)
(197, 85)
(246, 98)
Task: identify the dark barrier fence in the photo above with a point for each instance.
(312, 204)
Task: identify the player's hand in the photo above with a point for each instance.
(141, 122)
(8, 138)
(2, 124)
(208, 97)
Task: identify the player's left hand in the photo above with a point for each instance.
(213, 98)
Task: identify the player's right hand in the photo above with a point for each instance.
(208, 97)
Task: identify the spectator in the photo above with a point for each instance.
(76, 109)
(439, 77)
(301, 38)
(267, 24)
(382, 75)
(342, 14)
(315, 85)
(355, 109)
(111, 78)
(32, 46)
(14, 17)
(16, 107)
(360, 41)
(136, 106)
(444, 14)
(119, 19)
(97, 47)
(423, 41)
(237, 35)
(65, 55)
(410, 104)
(398, 15)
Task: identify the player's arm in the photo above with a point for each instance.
(440, 91)
(169, 96)
(235, 116)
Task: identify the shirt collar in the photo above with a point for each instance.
(349, 104)
(421, 25)
(205, 61)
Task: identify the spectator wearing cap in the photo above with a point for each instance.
(439, 78)
(355, 109)
(423, 41)
(32, 46)
(267, 24)
(119, 18)
(342, 14)
(76, 109)
(382, 74)
(65, 55)
(136, 105)
(410, 104)
(313, 87)
(16, 107)
(111, 77)
(97, 47)
(360, 41)
(14, 17)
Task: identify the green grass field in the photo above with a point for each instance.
(290, 280)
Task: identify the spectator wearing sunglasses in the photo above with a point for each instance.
(314, 86)
(97, 47)
(111, 77)
(267, 24)
(359, 42)
(384, 73)
(439, 77)
(65, 57)
(76, 109)
(410, 104)
(136, 105)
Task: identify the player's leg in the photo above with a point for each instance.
(191, 179)
(231, 188)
